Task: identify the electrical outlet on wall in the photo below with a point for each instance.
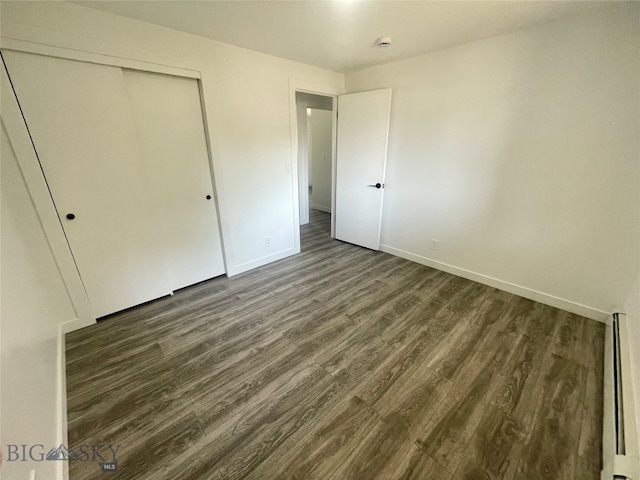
(434, 243)
(267, 242)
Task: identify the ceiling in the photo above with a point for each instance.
(340, 35)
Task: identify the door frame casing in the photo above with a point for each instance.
(304, 103)
(326, 90)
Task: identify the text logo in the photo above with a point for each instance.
(104, 455)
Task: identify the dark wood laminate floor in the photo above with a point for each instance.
(339, 363)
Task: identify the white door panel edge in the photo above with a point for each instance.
(363, 130)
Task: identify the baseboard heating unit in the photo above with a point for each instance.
(620, 458)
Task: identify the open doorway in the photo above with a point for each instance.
(316, 141)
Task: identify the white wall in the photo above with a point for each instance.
(520, 154)
(320, 159)
(247, 104)
(33, 302)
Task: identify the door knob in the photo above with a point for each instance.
(377, 185)
(70, 216)
(208, 197)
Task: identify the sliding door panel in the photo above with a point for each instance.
(170, 126)
(81, 123)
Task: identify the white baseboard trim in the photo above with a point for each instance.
(322, 209)
(75, 324)
(258, 262)
(547, 299)
(62, 468)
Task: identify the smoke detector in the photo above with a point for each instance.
(384, 42)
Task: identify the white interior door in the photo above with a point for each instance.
(168, 117)
(80, 119)
(363, 128)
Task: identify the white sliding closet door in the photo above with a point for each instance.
(79, 116)
(168, 117)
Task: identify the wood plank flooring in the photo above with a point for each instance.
(338, 363)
